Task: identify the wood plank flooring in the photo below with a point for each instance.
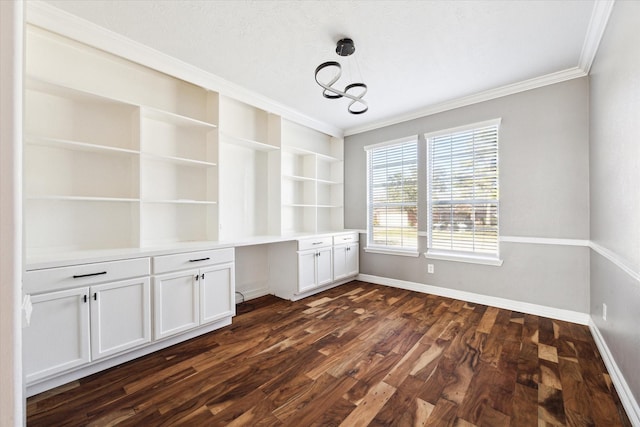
(357, 355)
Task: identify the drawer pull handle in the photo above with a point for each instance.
(200, 259)
(316, 243)
(79, 276)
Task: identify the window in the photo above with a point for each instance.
(392, 188)
(462, 191)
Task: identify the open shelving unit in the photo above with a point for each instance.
(110, 162)
(118, 155)
(248, 138)
(312, 180)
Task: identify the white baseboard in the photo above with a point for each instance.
(101, 365)
(626, 396)
(250, 294)
(524, 307)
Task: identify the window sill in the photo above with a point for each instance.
(387, 251)
(472, 259)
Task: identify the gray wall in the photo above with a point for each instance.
(544, 192)
(615, 187)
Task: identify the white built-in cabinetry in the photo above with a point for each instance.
(324, 261)
(192, 289)
(345, 256)
(312, 180)
(315, 263)
(116, 155)
(84, 313)
(136, 186)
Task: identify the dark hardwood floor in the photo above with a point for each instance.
(357, 355)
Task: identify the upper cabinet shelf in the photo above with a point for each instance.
(175, 119)
(179, 160)
(77, 146)
(306, 152)
(248, 143)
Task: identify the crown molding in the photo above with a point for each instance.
(53, 19)
(595, 31)
(597, 25)
(534, 83)
(58, 21)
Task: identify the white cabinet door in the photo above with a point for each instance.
(57, 338)
(324, 266)
(175, 302)
(339, 262)
(315, 268)
(352, 261)
(306, 270)
(345, 261)
(120, 316)
(217, 292)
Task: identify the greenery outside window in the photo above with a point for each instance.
(392, 188)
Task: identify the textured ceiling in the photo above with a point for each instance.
(411, 54)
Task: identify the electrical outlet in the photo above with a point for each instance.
(604, 311)
(430, 268)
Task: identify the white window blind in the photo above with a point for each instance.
(462, 186)
(393, 195)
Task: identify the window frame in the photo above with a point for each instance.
(455, 254)
(384, 248)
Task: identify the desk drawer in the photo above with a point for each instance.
(183, 261)
(53, 279)
(345, 238)
(314, 243)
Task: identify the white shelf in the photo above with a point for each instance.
(178, 160)
(175, 119)
(62, 91)
(181, 201)
(328, 182)
(299, 178)
(244, 142)
(305, 152)
(81, 198)
(76, 145)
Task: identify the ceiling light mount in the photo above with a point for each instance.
(353, 91)
(345, 47)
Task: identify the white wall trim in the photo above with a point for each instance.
(617, 260)
(251, 293)
(537, 82)
(597, 25)
(544, 241)
(53, 19)
(626, 396)
(524, 307)
(12, 404)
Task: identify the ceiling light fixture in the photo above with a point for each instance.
(354, 91)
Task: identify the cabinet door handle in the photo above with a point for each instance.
(200, 259)
(78, 276)
(202, 276)
(95, 296)
(197, 277)
(84, 298)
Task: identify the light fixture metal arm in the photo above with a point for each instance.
(333, 93)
